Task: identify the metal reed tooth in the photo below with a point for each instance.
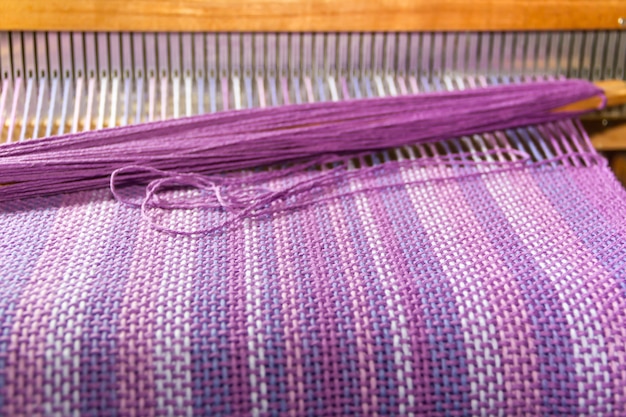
(507, 63)
(401, 64)
(258, 51)
(282, 63)
(30, 69)
(587, 55)
(295, 70)
(283, 68)
(354, 67)
(223, 74)
(459, 67)
(328, 77)
(599, 56)
(485, 54)
(210, 48)
(163, 76)
(438, 53)
(5, 61)
(575, 55)
(365, 55)
(529, 61)
(471, 64)
(564, 54)
(390, 71)
(609, 57)
(235, 69)
(494, 56)
(378, 52)
(199, 71)
(552, 53)
(149, 56)
(176, 75)
(542, 67)
(317, 63)
(620, 63)
(126, 76)
(271, 68)
(247, 68)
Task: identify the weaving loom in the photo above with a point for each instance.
(431, 285)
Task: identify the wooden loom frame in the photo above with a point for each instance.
(311, 15)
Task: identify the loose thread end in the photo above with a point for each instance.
(245, 195)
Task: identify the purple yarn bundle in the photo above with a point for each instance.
(235, 140)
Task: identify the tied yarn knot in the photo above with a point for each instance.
(239, 195)
(217, 191)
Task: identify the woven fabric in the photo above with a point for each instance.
(493, 294)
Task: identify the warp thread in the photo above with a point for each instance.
(243, 139)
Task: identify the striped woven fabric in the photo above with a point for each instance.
(417, 289)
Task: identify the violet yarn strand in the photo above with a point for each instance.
(235, 140)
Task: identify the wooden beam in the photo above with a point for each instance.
(618, 164)
(611, 137)
(311, 15)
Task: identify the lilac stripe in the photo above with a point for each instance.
(134, 337)
(336, 266)
(453, 387)
(171, 344)
(265, 260)
(601, 237)
(546, 294)
(477, 312)
(390, 208)
(306, 300)
(99, 346)
(239, 370)
(359, 261)
(299, 318)
(397, 215)
(525, 388)
(210, 330)
(19, 257)
(36, 309)
(325, 263)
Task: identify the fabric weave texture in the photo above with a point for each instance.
(501, 293)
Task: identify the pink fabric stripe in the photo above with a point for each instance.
(26, 360)
(240, 370)
(172, 322)
(572, 302)
(350, 279)
(374, 220)
(613, 323)
(404, 302)
(291, 308)
(446, 203)
(135, 332)
(332, 299)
